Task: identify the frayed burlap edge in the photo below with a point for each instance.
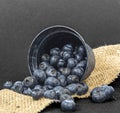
(106, 70)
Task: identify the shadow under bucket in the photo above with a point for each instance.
(58, 36)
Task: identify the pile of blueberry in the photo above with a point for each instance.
(58, 77)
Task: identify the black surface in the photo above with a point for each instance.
(98, 21)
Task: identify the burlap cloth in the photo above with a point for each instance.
(107, 68)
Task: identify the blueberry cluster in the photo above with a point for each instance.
(58, 76)
(102, 93)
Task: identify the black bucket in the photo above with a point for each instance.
(57, 36)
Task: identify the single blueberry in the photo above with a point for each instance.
(72, 88)
(61, 63)
(98, 96)
(72, 79)
(82, 88)
(81, 50)
(66, 55)
(37, 87)
(51, 72)
(37, 94)
(7, 84)
(78, 71)
(68, 105)
(45, 58)
(60, 91)
(68, 47)
(78, 57)
(29, 81)
(62, 80)
(58, 74)
(66, 91)
(55, 51)
(50, 94)
(27, 91)
(65, 97)
(18, 87)
(52, 81)
(43, 65)
(61, 54)
(54, 60)
(109, 91)
(65, 71)
(40, 75)
(82, 64)
(71, 63)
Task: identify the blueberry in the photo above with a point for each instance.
(68, 105)
(58, 88)
(82, 64)
(27, 92)
(18, 87)
(52, 81)
(39, 75)
(111, 94)
(60, 91)
(78, 57)
(81, 50)
(30, 81)
(98, 95)
(58, 74)
(71, 63)
(72, 79)
(55, 51)
(65, 71)
(65, 97)
(82, 88)
(62, 80)
(54, 60)
(66, 91)
(78, 71)
(45, 58)
(50, 94)
(66, 55)
(51, 72)
(67, 47)
(7, 84)
(37, 94)
(72, 88)
(37, 87)
(61, 54)
(43, 65)
(61, 63)
(109, 91)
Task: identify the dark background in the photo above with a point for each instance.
(98, 21)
